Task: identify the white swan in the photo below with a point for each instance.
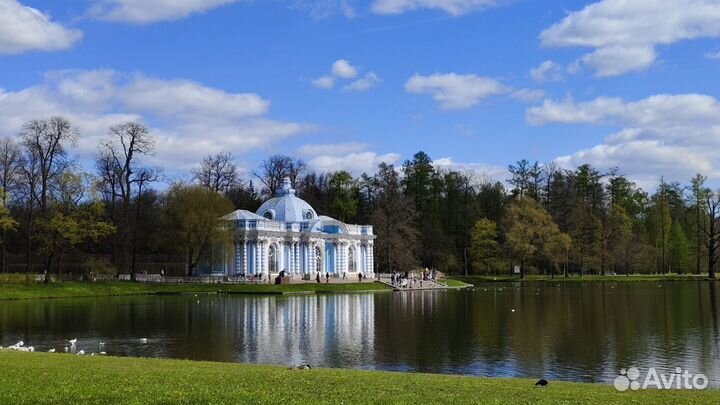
(143, 340)
(81, 352)
(51, 351)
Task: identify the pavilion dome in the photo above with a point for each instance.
(286, 207)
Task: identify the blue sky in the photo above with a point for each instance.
(477, 84)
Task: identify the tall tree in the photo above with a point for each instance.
(45, 158)
(10, 178)
(393, 219)
(274, 169)
(217, 172)
(678, 249)
(699, 195)
(119, 163)
(712, 230)
(484, 245)
(527, 228)
(193, 218)
(344, 196)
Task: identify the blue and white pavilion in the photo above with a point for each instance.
(287, 234)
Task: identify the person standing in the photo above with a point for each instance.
(327, 277)
(317, 277)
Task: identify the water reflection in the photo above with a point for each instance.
(571, 331)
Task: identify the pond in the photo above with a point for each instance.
(567, 331)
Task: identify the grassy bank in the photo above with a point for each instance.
(590, 278)
(41, 378)
(80, 289)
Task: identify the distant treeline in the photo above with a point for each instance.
(55, 217)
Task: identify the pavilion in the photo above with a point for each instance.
(286, 233)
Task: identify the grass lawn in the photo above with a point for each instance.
(574, 278)
(454, 283)
(42, 378)
(87, 289)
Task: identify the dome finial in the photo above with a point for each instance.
(287, 187)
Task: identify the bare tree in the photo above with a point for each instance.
(44, 159)
(45, 141)
(274, 169)
(117, 164)
(10, 178)
(217, 172)
(144, 176)
(712, 229)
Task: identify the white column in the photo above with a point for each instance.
(264, 258)
(245, 258)
(256, 258)
(306, 252)
(296, 264)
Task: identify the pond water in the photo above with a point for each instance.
(566, 331)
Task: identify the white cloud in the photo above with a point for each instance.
(148, 11)
(320, 9)
(528, 95)
(200, 120)
(713, 55)
(332, 148)
(617, 60)
(547, 71)
(353, 157)
(324, 82)
(481, 172)
(355, 163)
(625, 33)
(25, 29)
(343, 69)
(454, 7)
(367, 82)
(453, 91)
(671, 135)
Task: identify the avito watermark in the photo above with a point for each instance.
(679, 380)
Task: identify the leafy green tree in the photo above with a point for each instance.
(484, 243)
(679, 249)
(556, 251)
(71, 220)
(193, 220)
(586, 233)
(528, 226)
(344, 192)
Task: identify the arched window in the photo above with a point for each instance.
(268, 215)
(309, 215)
(352, 266)
(272, 259)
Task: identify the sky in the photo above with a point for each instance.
(347, 84)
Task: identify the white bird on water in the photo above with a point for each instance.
(143, 340)
(51, 351)
(81, 352)
(102, 353)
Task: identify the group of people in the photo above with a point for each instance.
(318, 278)
(411, 280)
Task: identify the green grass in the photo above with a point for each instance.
(116, 288)
(43, 379)
(587, 278)
(454, 283)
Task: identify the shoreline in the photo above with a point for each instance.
(14, 292)
(118, 380)
(587, 278)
